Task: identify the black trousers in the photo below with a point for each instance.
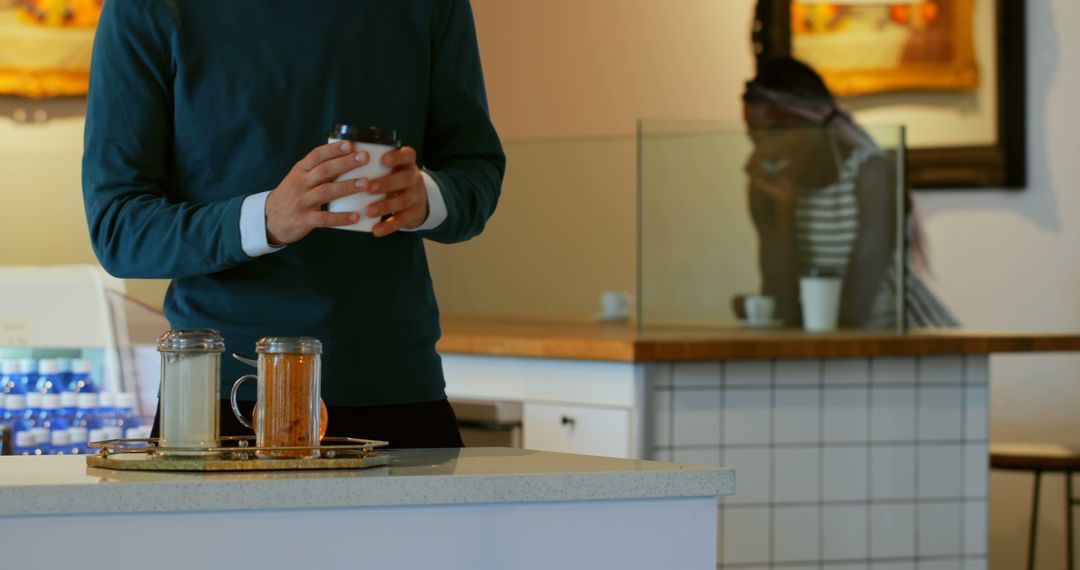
(426, 424)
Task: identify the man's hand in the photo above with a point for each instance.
(294, 208)
(406, 198)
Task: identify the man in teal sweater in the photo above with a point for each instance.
(204, 163)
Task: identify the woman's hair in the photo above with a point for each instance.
(795, 78)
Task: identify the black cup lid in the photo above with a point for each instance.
(372, 135)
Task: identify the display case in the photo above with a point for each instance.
(79, 312)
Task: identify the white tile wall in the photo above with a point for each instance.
(941, 370)
(976, 420)
(893, 566)
(892, 472)
(846, 415)
(797, 417)
(661, 418)
(747, 416)
(695, 419)
(752, 373)
(939, 528)
(976, 564)
(846, 473)
(976, 470)
(940, 471)
(839, 371)
(892, 414)
(753, 475)
(844, 531)
(977, 369)
(697, 374)
(892, 531)
(937, 417)
(796, 475)
(798, 372)
(746, 535)
(889, 370)
(976, 529)
(939, 565)
(709, 457)
(851, 464)
(796, 535)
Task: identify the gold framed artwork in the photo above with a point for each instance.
(898, 52)
(45, 46)
(862, 46)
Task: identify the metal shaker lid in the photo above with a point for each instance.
(191, 340)
(288, 345)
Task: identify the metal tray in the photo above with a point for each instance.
(148, 455)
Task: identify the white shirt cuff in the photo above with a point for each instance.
(253, 226)
(436, 205)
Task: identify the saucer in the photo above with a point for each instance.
(606, 318)
(766, 324)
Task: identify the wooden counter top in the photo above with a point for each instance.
(623, 343)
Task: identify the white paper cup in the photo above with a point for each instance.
(820, 299)
(758, 308)
(373, 169)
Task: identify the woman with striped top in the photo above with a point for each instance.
(823, 198)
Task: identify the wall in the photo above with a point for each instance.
(41, 189)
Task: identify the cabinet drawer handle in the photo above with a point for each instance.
(568, 421)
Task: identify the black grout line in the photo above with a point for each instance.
(834, 445)
(772, 461)
(963, 453)
(869, 459)
(821, 463)
(858, 561)
(918, 415)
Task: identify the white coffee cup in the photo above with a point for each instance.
(614, 305)
(758, 308)
(376, 142)
(820, 299)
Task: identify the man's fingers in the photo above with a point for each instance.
(395, 181)
(330, 191)
(321, 154)
(403, 156)
(393, 204)
(331, 169)
(322, 219)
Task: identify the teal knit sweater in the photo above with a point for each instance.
(196, 104)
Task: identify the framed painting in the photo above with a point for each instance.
(45, 46)
(898, 52)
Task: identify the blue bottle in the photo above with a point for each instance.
(66, 375)
(49, 378)
(28, 374)
(33, 417)
(85, 424)
(108, 417)
(22, 433)
(126, 420)
(52, 420)
(11, 377)
(81, 381)
(69, 402)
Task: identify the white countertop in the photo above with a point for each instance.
(65, 485)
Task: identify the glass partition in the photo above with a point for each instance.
(563, 235)
(772, 228)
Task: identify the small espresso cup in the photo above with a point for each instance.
(820, 299)
(758, 308)
(376, 142)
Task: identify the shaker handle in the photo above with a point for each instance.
(568, 421)
(248, 361)
(232, 397)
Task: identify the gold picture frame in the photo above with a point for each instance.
(1001, 164)
(860, 48)
(45, 46)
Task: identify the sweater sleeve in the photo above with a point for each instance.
(137, 227)
(461, 148)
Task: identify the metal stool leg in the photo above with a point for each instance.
(1069, 519)
(1034, 521)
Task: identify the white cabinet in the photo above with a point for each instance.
(569, 406)
(578, 429)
